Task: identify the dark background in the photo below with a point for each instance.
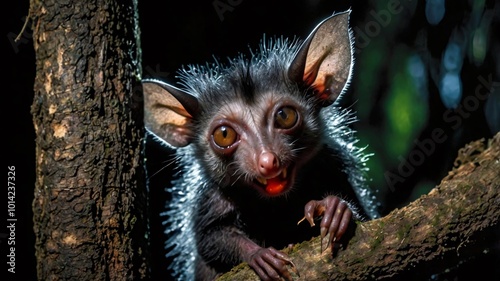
(396, 90)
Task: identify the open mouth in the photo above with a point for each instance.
(276, 185)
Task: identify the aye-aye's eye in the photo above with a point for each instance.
(286, 117)
(224, 136)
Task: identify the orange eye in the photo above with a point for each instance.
(286, 117)
(224, 136)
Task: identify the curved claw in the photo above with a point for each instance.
(301, 220)
(271, 264)
(312, 209)
(336, 218)
(290, 262)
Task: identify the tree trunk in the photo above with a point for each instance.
(457, 220)
(90, 205)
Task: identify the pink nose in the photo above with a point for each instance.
(268, 164)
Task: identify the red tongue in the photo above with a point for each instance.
(275, 186)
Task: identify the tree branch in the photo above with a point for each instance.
(456, 220)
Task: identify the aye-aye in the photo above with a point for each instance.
(261, 143)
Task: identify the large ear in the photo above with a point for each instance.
(324, 61)
(169, 112)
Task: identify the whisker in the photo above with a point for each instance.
(236, 180)
(169, 163)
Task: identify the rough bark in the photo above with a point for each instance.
(90, 218)
(457, 220)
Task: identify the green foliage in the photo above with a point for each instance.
(405, 108)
